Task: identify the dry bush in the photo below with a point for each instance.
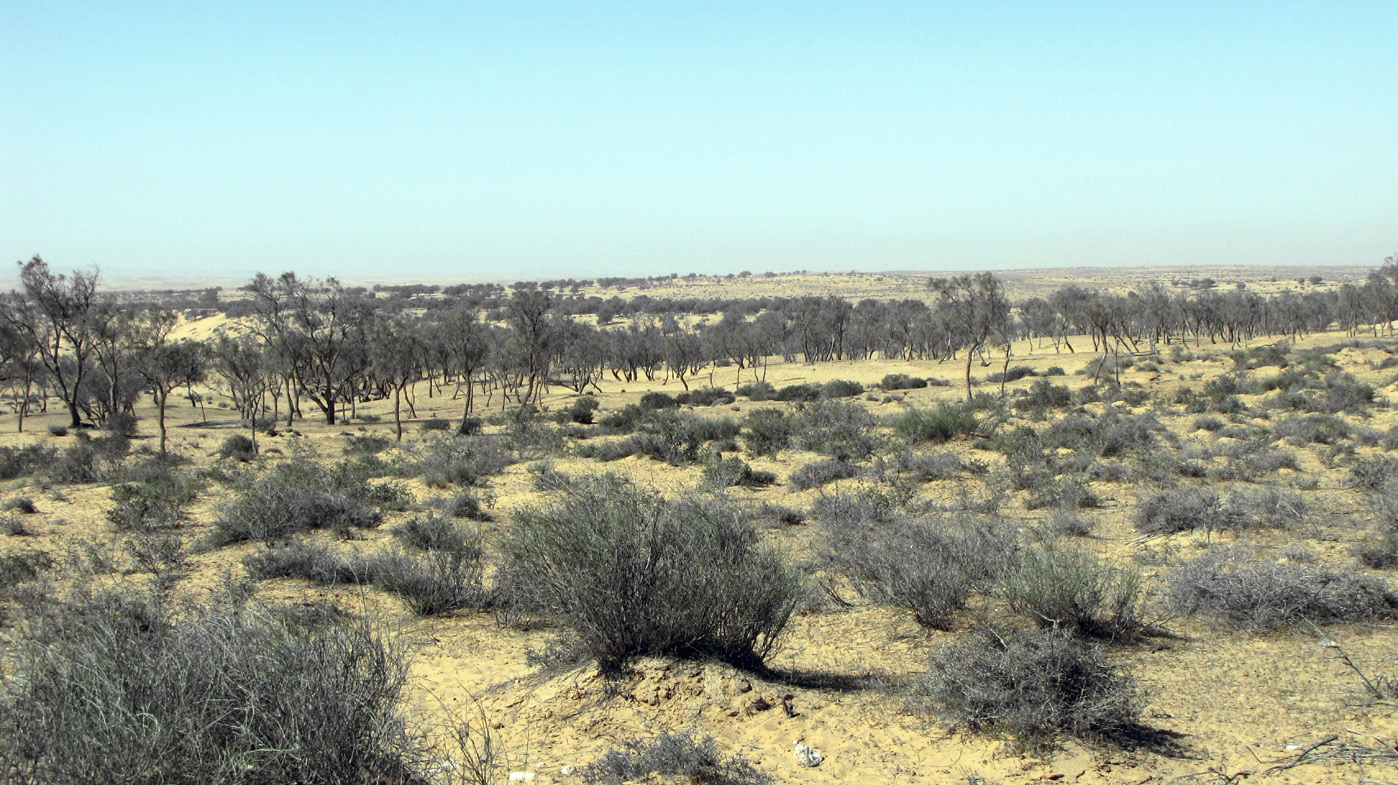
(930, 567)
(630, 573)
(114, 689)
(672, 755)
(1262, 595)
(1069, 588)
(1031, 686)
(454, 460)
(299, 495)
(818, 473)
(941, 424)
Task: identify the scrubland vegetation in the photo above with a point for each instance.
(311, 533)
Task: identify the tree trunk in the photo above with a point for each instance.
(969, 357)
(398, 410)
(164, 396)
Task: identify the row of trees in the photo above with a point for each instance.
(310, 342)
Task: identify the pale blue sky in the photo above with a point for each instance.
(521, 140)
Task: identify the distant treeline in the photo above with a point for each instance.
(302, 341)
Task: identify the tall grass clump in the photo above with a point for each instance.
(629, 573)
(940, 424)
(114, 689)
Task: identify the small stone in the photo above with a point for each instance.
(568, 771)
(807, 756)
(521, 776)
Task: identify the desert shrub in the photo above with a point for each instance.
(1274, 508)
(149, 505)
(940, 424)
(471, 505)
(766, 432)
(299, 495)
(1373, 474)
(658, 400)
(1108, 435)
(1059, 491)
(436, 582)
(1343, 393)
(300, 559)
(1012, 375)
(622, 420)
(1178, 510)
(113, 689)
(583, 410)
(676, 755)
(1068, 523)
(630, 573)
(1208, 423)
(607, 451)
(470, 426)
(836, 428)
(17, 567)
(1070, 589)
(431, 424)
(1251, 460)
(818, 473)
(237, 447)
(706, 396)
(454, 460)
(1263, 595)
(367, 445)
(1044, 394)
(1031, 686)
(529, 434)
(20, 504)
(58, 429)
(840, 388)
(797, 393)
(930, 465)
(13, 526)
(902, 381)
(757, 391)
(721, 472)
(438, 533)
(123, 424)
(669, 436)
(778, 514)
(1313, 429)
(929, 567)
(713, 429)
(23, 461)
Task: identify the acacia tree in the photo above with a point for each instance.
(243, 364)
(319, 328)
(395, 361)
(528, 314)
(19, 365)
(54, 313)
(165, 365)
(468, 342)
(975, 307)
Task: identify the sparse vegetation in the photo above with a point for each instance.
(631, 574)
(1030, 686)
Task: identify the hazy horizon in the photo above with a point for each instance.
(452, 142)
